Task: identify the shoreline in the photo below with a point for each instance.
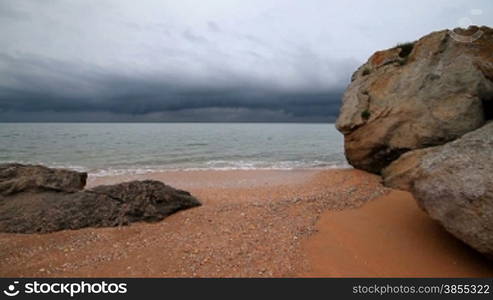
(255, 223)
(212, 177)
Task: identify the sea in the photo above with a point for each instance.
(106, 149)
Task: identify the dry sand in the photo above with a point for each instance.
(389, 237)
(257, 224)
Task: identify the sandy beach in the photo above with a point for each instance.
(246, 139)
(257, 223)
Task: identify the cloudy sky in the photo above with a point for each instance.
(190, 60)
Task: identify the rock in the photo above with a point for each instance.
(40, 210)
(147, 200)
(421, 114)
(15, 178)
(453, 183)
(401, 173)
(415, 96)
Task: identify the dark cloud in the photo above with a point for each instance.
(229, 60)
(44, 89)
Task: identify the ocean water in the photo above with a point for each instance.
(135, 148)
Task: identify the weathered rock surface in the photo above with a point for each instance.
(31, 204)
(453, 183)
(421, 115)
(417, 95)
(16, 178)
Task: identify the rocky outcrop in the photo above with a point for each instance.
(47, 200)
(417, 95)
(453, 183)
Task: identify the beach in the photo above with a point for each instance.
(257, 223)
(246, 139)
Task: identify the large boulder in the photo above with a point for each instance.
(38, 209)
(453, 183)
(417, 95)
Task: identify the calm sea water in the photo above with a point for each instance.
(129, 148)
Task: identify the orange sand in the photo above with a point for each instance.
(256, 224)
(389, 237)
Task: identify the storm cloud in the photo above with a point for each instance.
(285, 61)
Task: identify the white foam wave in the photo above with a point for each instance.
(213, 165)
(221, 165)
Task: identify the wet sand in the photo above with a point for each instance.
(256, 224)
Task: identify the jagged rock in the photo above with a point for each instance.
(37, 207)
(417, 95)
(16, 178)
(453, 183)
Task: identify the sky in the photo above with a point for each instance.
(200, 61)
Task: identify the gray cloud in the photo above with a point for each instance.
(230, 60)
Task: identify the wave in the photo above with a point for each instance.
(220, 165)
(215, 165)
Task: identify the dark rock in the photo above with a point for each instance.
(40, 210)
(15, 178)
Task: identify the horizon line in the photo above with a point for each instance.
(171, 122)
